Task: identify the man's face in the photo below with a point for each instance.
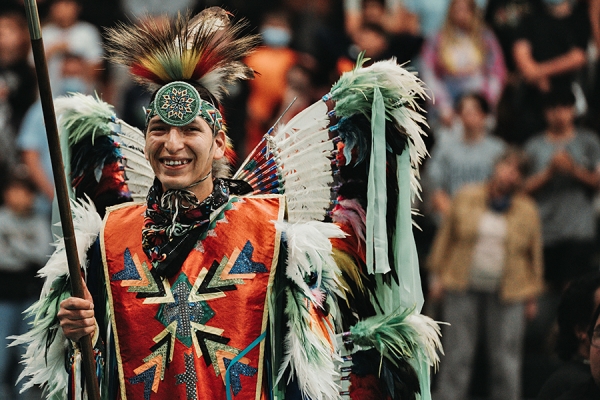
(180, 156)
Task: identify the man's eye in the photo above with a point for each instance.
(157, 130)
(192, 129)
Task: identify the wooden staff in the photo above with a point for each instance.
(62, 193)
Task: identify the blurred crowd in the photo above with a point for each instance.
(510, 208)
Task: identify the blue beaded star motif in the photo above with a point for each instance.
(184, 311)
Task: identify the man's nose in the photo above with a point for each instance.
(174, 140)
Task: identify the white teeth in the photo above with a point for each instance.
(173, 163)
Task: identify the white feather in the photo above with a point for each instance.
(310, 356)
(428, 334)
(138, 170)
(81, 104)
(87, 224)
(316, 114)
(44, 365)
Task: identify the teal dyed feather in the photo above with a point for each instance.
(355, 90)
(401, 90)
(84, 117)
(400, 335)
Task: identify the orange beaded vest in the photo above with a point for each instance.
(187, 336)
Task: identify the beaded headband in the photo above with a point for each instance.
(178, 103)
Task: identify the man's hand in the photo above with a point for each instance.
(76, 316)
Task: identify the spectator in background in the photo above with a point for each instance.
(577, 304)
(382, 30)
(391, 15)
(592, 88)
(486, 266)
(299, 91)
(549, 51)
(430, 14)
(17, 84)
(464, 56)
(140, 9)
(466, 157)
(504, 17)
(32, 140)
(272, 62)
(24, 248)
(564, 177)
(66, 34)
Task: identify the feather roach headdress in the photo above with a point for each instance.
(205, 49)
(177, 57)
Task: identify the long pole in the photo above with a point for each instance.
(60, 182)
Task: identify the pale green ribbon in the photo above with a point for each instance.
(377, 240)
(405, 249)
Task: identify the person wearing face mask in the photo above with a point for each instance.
(32, 141)
(272, 62)
(65, 34)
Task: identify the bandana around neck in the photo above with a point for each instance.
(174, 221)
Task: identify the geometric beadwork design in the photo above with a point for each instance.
(129, 273)
(188, 377)
(235, 371)
(184, 310)
(177, 103)
(147, 378)
(244, 264)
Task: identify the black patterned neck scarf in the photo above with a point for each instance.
(174, 221)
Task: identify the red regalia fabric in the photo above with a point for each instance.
(176, 337)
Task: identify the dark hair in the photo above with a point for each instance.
(574, 311)
(19, 177)
(561, 96)
(483, 104)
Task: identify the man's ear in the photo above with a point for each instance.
(220, 143)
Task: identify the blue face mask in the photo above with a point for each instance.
(276, 37)
(73, 85)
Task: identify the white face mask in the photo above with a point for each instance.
(276, 37)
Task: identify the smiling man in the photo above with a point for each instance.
(214, 287)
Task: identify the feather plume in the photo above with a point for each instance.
(311, 307)
(137, 168)
(354, 92)
(44, 358)
(84, 116)
(297, 161)
(206, 48)
(351, 213)
(403, 335)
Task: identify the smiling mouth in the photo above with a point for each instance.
(175, 163)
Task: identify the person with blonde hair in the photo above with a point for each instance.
(464, 56)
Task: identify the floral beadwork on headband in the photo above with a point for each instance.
(178, 103)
